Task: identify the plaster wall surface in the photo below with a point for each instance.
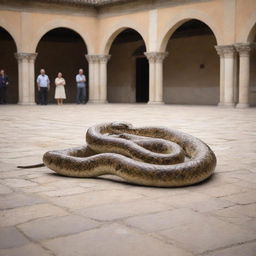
(122, 73)
(191, 71)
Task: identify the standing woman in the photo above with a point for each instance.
(60, 89)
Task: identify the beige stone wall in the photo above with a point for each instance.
(11, 22)
(231, 22)
(245, 20)
(27, 28)
(226, 19)
(122, 73)
(41, 23)
(184, 81)
(209, 12)
(111, 26)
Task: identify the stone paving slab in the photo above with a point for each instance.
(15, 216)
(11, 237)
(115, 240)
(247, 249)
(209, 234)
(243, 198)
(47, 214)
(241, 215)
(164, 220)
(46, 228)
(29, 249)
(4, 190)
(114, 211)
(93, 198)
(18, 200)
(225, 190)
(18, 183)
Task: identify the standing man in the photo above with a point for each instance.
(3, 86)
(43, 84)
(80, 81)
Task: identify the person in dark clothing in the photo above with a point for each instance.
(4, 81)
(43, 84)
(81, 87)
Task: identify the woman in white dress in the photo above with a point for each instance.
(60, 89)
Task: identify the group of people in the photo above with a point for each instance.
(43, 83)
(4, 81)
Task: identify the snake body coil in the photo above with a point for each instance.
(150, 156)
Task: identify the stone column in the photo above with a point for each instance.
(229, 61)
(244, 74)
(151, 59)
(94, 93)
(155, 76)
(98, 78)
(235, 72)
(227, 54)
(26, 65)
(31, 62)
(222, 72)
(103, 77)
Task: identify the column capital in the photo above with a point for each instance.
(155, 56)
(244, 49)
(104, 58)
(25, 56)
(227, 51)
(92, 58)
(98, 58)
(219, 50)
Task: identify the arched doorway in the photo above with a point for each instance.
(252, 89)
(128, 69)
(191, 70)
(61, 50)
(9, 64)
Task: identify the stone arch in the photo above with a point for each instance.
(61, 24)
(183, 17)
(8, 48)
(252, 33)
(10, 31)
(191, 71)
(126, 86)
(248, 32)
(249, 36)
(67, 59)
(115, 31)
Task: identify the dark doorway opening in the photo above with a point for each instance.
(191, 71)
(62, 50)
(142, 80)
(252, 88)
(9, 64)
(125, 69)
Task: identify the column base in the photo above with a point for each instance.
(27, 103)
(227, 105)
(242, 105)
(155, 102)
(97, 102)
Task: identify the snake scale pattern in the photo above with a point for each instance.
(151, 156)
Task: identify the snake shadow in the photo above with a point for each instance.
(118, 180)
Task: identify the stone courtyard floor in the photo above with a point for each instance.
(44, 214)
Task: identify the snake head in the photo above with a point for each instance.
(120, 126)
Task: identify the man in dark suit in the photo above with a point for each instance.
(3, 86)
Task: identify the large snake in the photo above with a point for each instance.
(150, 156)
